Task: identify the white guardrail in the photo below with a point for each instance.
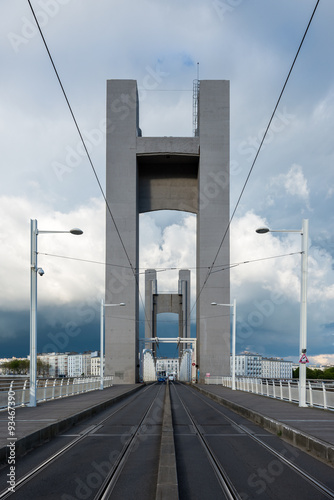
(48, 389)
(318, 393)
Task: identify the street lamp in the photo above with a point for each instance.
(234, 312)
(303, 303)
(103, 305)
(34, 269)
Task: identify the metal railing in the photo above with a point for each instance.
(47, 389)
(319, 393)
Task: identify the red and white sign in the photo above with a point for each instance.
(193, 364)
(303, 359)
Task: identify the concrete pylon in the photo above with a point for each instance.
(166, 173)
(151, 289)
(156, 303)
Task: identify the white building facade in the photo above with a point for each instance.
(247, 365)
(57, 363)
(79, 365)
(168, 365)
(276, 368)
(95, 361)
(254, 365)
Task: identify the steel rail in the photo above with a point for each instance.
(305, 475)
(223, 479)
(36, 470)
(110, 481)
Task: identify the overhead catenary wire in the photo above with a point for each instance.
(256, 156)
(211, 267)
(80, 134)
(222, 266)
(87, 152)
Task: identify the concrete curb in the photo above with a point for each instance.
(33, 440)
(311, 445)
(167, 484)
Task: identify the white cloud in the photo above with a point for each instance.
(322, 359)
(65, 280)
(294, 183)
(274, 275)
(122, 40)
(280, 274)
(260, 286)
(330, 192)
(323, 110)
(171, 247)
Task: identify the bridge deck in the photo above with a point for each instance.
(41, 423)
(310, 429)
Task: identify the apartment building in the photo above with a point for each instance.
(168, 365)
(248, 365)
(276, 368)
(254, 365)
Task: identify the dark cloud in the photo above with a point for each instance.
(250, 43)
(59, 329)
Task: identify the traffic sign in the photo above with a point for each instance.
(193, 364)
(303, 359)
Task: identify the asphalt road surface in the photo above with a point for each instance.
(219, 454)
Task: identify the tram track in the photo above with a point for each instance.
(116, 468)
(321, 487)
(216, 455)
(228, 488)
(109, 483)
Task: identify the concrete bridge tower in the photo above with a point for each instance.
(166, 173)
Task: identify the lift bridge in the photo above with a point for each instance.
(187, 369)
(177, 303)
(147, 174)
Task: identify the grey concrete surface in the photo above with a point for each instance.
(167, 484)
(35, 425)
(309, 429)
(177, 302)
(144, 174)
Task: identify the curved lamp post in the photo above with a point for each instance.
(303, 302)
(103, 305)
(234, 312)
(34, 269)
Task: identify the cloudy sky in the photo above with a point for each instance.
(45, 174)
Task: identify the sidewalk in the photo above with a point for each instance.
(310, 429)
(37, 424)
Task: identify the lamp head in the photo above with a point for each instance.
(76, 231)
(262, 230)
(213, 303)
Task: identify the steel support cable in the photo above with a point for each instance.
(99, 183)
(256, 156)
(222, 267)
(80, 134)
(133, 269)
